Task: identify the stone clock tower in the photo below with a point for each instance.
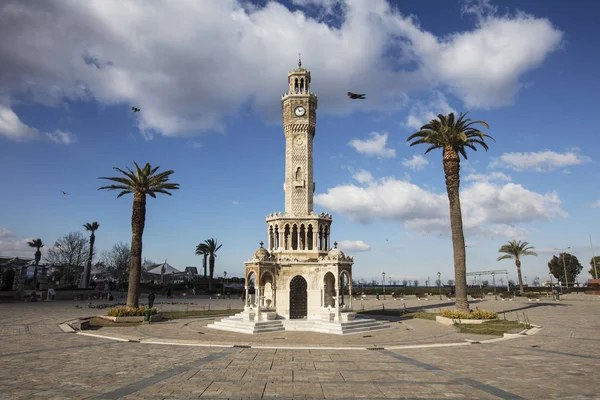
(297, 281)
(299, 119)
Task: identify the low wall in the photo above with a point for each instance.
(153, 318)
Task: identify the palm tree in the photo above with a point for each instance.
(93, 227)
(37, 244)
(142, 182)
(453, 136)
(516, 250)
(201, 250)
(211, 248)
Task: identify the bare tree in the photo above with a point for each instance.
(68, 257)
(416, 283)
(116, 261)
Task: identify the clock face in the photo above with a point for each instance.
(300, 111)
(299, 141)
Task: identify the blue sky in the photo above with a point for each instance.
(208, 78)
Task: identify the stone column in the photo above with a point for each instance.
(274, 293)
(315, 240)
(247, 299)
(261, 298)
(350, 293)
(337, 304)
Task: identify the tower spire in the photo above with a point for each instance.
(299, 60)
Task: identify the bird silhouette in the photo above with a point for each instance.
(135, 109)
(64, 193)
(355, 96)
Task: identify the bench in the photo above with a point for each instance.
(39, 295)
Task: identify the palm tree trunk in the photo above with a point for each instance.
(452, 171)
(38, 256)
(88, 267)
(138, 221)
(204, 264)
(211, 266)
(518, 262)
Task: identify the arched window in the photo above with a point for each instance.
(298, 174)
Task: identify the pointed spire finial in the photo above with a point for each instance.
(335, 245)
(261, 243)
(299, 60)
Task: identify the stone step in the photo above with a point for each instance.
(237, 324)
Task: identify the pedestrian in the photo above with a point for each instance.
(151, 298)
(169, 293)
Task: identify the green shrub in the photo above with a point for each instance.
(129, 312)
(477, 314)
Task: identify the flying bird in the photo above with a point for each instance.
(135, 109)
(355, 96)
(64, 193)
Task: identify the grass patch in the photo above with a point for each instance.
(497, 327)
(197, 313)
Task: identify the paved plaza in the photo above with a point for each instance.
(415, 359)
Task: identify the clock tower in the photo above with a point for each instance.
(299, 118)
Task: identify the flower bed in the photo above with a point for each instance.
(451, 317)
(129, 312)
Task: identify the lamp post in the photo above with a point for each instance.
(383, 276)
(564, 264)
(224, 278)
(439, 274)
(494, 284)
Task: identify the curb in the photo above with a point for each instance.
(467, 342)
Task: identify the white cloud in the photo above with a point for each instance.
(540, 161)
(195, 145)
(416, 163)
(374, 146)
(13, 246)
(5, 233)
(363, 176)
(128, 52)
(595, 204)
(235, 202)
(353, 246)
(422, 113)
(62, 137)
(12, 128)
(493, 176)
(488, 208)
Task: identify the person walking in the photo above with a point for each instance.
(151, 298)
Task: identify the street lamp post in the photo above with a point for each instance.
(383, 275)
(224, 278)
(565, 265)
(494, 284)
(439, 274)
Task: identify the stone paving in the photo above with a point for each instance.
(39, 361)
